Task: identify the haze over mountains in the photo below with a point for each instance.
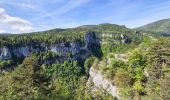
(160, 26)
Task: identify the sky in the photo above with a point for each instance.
(22, 16)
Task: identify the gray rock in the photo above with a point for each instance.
(5, 54)
(60, 48)
(21, 51)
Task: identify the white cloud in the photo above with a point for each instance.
(14, 24)
(26, 5)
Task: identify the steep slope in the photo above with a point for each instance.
(98, 77)
(161, 26)
(61, 56)
(72, 44)
(99, 81)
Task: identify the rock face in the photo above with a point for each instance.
(91, 39)
(23, 51)
(124, 39)
(79, 50)
(60, 48)
(72, 48)
(116, 38)
(4, 54)
(100, 82)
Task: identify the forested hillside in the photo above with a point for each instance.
(58, 64)
(161, 26)
(139, 74)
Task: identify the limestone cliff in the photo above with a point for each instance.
(74, 48)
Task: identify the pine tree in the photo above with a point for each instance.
(24, 81)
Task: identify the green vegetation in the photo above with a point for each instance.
(158, 70)
(34, 80)
(143, 72)
(36, 40)
(50, 37)
(161, 26)
(7, 63)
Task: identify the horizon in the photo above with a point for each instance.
(21, 16)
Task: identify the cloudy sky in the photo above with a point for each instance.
(19, 16)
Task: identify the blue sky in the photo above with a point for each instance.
(37, 15)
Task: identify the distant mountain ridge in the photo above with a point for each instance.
(100, 28)
(161, 26)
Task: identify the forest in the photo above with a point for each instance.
(142, 75)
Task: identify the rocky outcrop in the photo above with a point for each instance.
(73, 48)
(124, 39)
(91, 40)
(5, 54)
(23, 51)
(60, 48)
(116, 38)
(99, 81)
(90, 44)
(122, 57)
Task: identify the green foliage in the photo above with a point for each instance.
(66, 78)
(164, 86)
(7, 63)
(95, 64)
(88, 63)
(110, 70)
(116, 48)
(106, 48)
(147, 41)
(54, 36)
(36, 40)
(161, 26)
(158, 69)
(146, 74)
(139, 87)
(138, 63)
(123, 78)
(46, 56)
(122, 48)
(70, 55)
(23, 83)
(126, 93)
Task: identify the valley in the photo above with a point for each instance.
(98, 62)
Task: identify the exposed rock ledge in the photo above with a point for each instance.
(100, 82)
